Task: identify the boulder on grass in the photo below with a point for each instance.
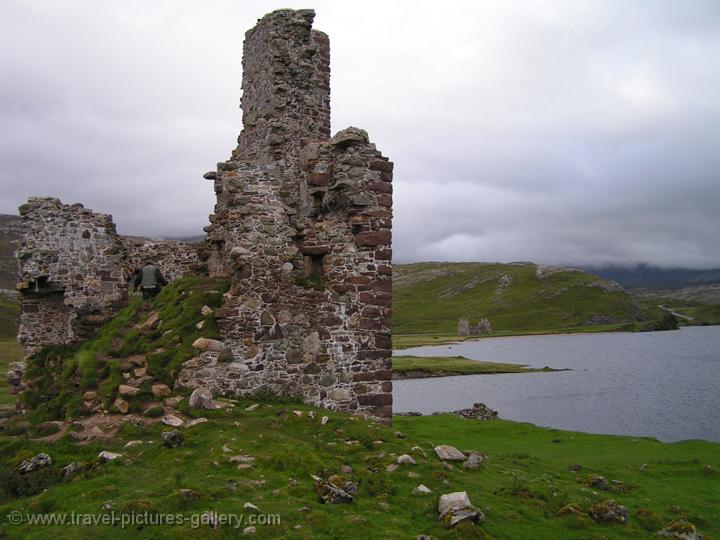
(455, 508)
(171, 438)
(201, 398)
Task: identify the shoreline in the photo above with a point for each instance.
(425, 374)
(410, 341)
(421, 367)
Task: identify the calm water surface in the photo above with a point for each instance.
(660, 384)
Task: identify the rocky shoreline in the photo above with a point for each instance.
(479, 411)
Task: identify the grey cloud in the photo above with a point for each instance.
(567, 132)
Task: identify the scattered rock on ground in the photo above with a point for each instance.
(195, 422)
(331, 493)
(38, 461)
(241, 459)
(105, 456)
(173, 401)
(474, 460)
(130, 444)
(596, 481)
(201, 398)
(160, 390)
(609, 512)
(571, 508)
(479, 411)
(205, 344)
(680, 528)
(172, 420)
(122, 405)
(188, 494)
(151, 322)
(405, 459)
(171, 438)
(127, 390)
(422, 489)
(71, 469)
(449, 453)
(454, 508)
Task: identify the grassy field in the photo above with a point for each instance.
(430, 298)
(9, 316)
(522, 486)
(10, 351)
(438, 366)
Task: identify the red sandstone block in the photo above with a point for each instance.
(385, 200)
(375, 399)
(319, 179)
(380, 187)
(370, 324)
(221, 312)
(373, 238)
(384, 411)
(383, 285)
(381, 165)
(318, 249)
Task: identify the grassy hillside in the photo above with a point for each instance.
(522, 487)
(10, 233)
(57, 377)
(522, 297)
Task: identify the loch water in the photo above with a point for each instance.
(659, 384)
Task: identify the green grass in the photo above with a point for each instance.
(437, 366)
(10, 351)
(520, 488)
(9, 316)
(58, 376)
(701, 314)
(430, 298)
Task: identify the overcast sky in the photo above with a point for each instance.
(569, 132)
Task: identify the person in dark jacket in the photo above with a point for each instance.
(149, 280)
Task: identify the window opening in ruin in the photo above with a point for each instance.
(313, 272)
(317, 203)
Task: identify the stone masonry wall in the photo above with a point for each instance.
(302, 225)
(73, 271)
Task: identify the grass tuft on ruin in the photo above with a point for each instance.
(59, 376)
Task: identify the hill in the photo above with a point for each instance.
(645, 276)
(516, 297)
(10, 233)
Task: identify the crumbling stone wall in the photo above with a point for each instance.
(73, 271)
(302, 224)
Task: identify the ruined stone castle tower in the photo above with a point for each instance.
(302, 227)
